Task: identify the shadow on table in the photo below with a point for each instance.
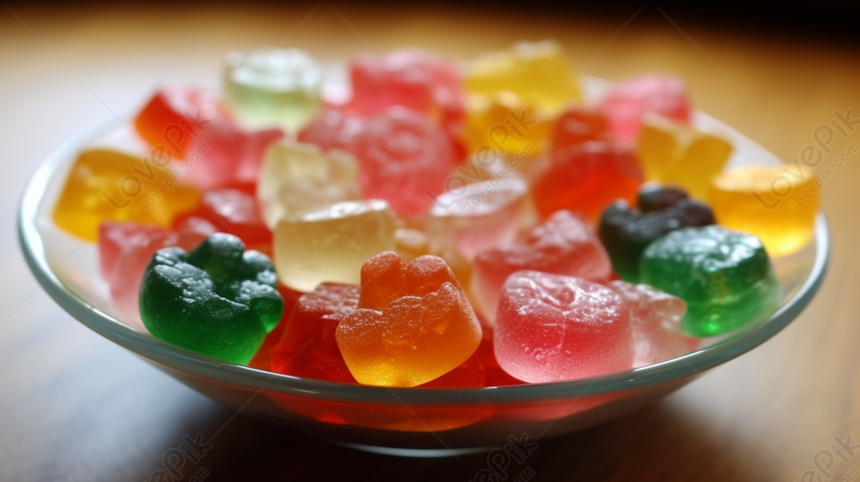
(640, 446)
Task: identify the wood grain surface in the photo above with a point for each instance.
(73, 406)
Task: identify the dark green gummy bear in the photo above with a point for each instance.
(725, 277)
(218, 299)
(626, 232)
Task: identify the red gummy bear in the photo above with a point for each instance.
(586, 179)
(579, 125)
(308, 347)
(235, 212)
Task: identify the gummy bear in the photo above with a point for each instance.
(565, 244)
(263, 358)
(777, 204)
(626, 232)
(477, 216)
(725, 277)
(188, 124)
(266, 87)
(579, 125)
(217, 300)
(536, 72)
(402, 156)
(504, 123)
(126, 248)
(629, 101)
(108, 185)
(587, 178)
(554, 327)
(333, 128)
(674, 153)
(225, 155)
(332, 244)
(175, 116)
(655, 318)
(296, 178)
(235, 212)
(415, 79)
(308, 347)
(414, 323)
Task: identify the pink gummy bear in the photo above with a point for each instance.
(565, 244)
(656, 320)
(126, 248)
(552, 328)
(415, 79)
(629, 100)
(333, 128)
(403, 157)
(224, 155)
(308, 347)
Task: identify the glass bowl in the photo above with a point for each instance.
(416, 422)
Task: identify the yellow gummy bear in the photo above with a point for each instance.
(109, 185)
(332, 244)
(777, 204)
(297, 177)
(502, 122)
(537, 72)
(514, 95)
(674, 153)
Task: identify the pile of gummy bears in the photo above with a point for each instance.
(438, 224)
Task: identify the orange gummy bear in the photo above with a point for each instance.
(413, 323)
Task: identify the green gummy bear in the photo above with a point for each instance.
(725, 277)
(218, 300)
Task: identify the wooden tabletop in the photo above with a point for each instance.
(74, 406)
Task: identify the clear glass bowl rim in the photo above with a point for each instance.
(190, 363)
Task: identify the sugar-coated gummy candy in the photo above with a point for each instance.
(578, 125)
(263, 358)
(108, 185)
(270, 86)
(226, 155)
(126, 248)
(477, 216)
(626, 231)
(414, 323)
(415, 79)
(725, 277)
(554, 327)
(402, 155)
(565, 244)
(333, 128)
(308, 347)
(768, 202)
(587, 178)
(234, 211)
(297, 177)
(175, 117)
(331, 244)
(218, 299)
(536, 72)
(675, 153)
(655, 318)
(186, 123)
(629, 101)
(504, 123)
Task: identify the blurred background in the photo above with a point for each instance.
(75, 407)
